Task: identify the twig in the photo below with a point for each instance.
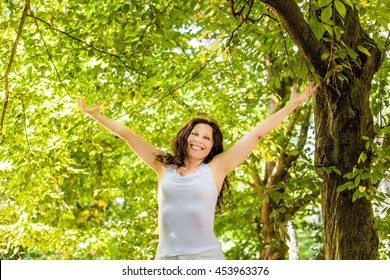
(234, 31)
(239, 13)
(179, 87)
(81, 41)
(48, 53)
(234, 10)
(9, 67)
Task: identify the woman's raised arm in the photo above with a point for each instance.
(143, 149)
(236, 154)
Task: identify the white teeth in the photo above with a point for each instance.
(196, 148)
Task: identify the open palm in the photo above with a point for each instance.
(299, 98)
(89, 111)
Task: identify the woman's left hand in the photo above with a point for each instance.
(299, 98)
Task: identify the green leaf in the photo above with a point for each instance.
(282, 210)
(340, 8)
(364, 50)
(356, 195)
(317, 27)
(323, 3)
(362, 189)
(357, 181)
(350, 175)
(328, 28)
(341, 53)
(336, 170)
(377, 129)
(126, 8)
(337, 31)
(349, 3)
(362, 157)
(326, 14)
(352, 53)
(324, 56)
(345, 186)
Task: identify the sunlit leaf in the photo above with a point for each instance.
(340, 8)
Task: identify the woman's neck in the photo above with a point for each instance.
(189, 165)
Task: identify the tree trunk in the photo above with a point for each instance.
(271, 252)
(349, 227)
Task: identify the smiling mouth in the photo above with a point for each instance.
(196, 148)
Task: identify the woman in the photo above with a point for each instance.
(192, 179)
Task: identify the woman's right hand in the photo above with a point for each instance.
(89, 111)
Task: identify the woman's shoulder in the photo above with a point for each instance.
(169, 168)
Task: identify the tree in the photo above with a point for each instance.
(346, 58)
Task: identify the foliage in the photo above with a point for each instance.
(69, 190)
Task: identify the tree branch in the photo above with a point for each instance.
(233, 9)
(48, 53)
(300, 32)
(81, 41)
(232, 35)
(244, 18)
(9, 67)
(179, 87)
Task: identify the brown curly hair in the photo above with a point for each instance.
(180, 152)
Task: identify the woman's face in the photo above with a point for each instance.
(200, 141)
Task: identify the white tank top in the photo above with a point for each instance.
(186, 212)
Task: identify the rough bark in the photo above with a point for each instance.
(349, 229)
(342, 116)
